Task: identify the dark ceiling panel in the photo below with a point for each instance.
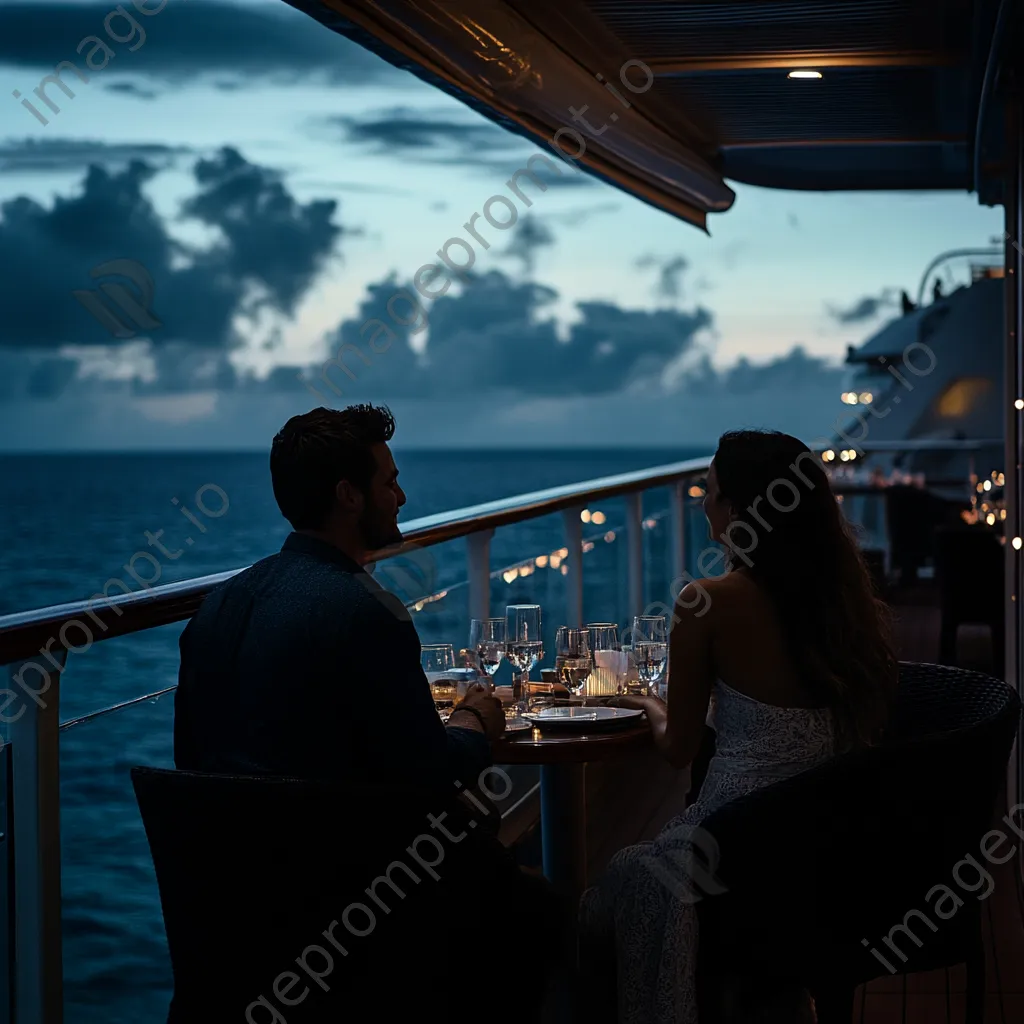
(667, 29)
(887, 104)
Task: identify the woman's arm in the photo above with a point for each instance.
(678, 726)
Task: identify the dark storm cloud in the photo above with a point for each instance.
(61, 155)
(188, 39)
(866, 308)
(270, 249)
(498, 335)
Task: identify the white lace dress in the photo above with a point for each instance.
(644, 904)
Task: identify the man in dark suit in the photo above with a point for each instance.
(304, 666)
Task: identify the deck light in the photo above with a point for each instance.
(1019, 404)
(1016, 543)
(804, 74)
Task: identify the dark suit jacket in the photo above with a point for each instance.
(304, 666)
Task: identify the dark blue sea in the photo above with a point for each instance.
(69, 524)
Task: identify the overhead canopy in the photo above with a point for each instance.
(902, 84)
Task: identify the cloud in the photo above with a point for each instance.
(436, 136)
(866, 308)
(183, 40)
(131, 89)
(441, 138)
(269, 248)
(496, 335)
(787, 374)
(530, 236)
(62, 155)
(670, 271)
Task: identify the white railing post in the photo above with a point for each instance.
(34, 818)
(678, 540)
(478, 564)
(574, 562)
(634, 554)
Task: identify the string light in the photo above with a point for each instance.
(1019, 404)
(585, 515)
(1016, 543)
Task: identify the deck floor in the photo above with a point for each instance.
(621, 815)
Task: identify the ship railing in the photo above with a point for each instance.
(34, 648)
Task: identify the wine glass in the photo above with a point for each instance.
(650, 649)
(487, 638)
(573, 661)
(524, 648)
(438, 661)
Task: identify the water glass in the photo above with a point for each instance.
(609, 660)
(487, 638)
(524, 647)
(650, 650)
(573, 661)
(438, 661)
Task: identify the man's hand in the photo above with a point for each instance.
(479, 697)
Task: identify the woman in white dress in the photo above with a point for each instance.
(785, 654)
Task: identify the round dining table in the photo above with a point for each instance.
(562, 755)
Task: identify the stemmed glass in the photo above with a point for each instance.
(650, 649)
(438, 661)
(573, 661)
(524, 648)
(487, 638)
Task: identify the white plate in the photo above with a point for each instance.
(583, 718)
(517, 725)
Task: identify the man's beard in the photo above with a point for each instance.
(378, 531)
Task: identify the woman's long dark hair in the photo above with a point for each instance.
(791, 536)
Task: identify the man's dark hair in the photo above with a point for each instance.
(313, 452)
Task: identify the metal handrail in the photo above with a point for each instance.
(22, 634)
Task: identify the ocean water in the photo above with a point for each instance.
(71, 524)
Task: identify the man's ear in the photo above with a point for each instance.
(350, 498)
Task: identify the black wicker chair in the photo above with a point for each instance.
(253, 871)
(821, 869)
